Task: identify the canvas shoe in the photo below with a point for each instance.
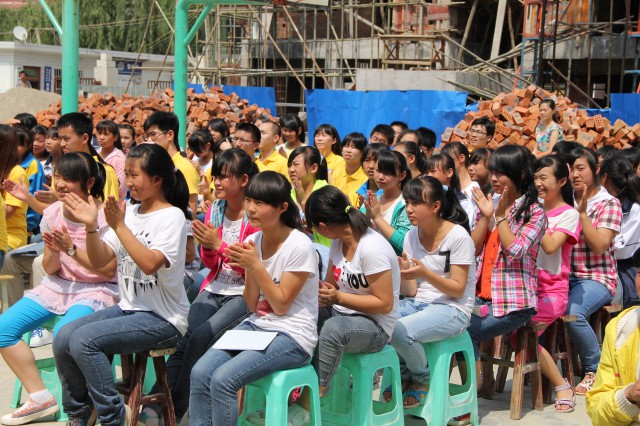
(31, 411)
(40, 337)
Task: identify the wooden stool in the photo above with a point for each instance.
(133, 373)
(525, 362)
(558, 344)
(601, 318)
(4, 282)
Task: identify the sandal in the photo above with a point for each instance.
(586, 384)
(387, 393)
(419, 393)
(568, 403)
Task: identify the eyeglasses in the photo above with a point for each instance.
(375, 139)
(476, 132)
(241, 140)
(152, 135)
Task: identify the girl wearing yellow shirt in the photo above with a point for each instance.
(327, 140)
(15, 210)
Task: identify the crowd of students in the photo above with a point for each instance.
(344, 246)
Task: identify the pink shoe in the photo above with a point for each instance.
(31, 411)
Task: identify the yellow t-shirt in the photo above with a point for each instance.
(17, 223)
(349, 184)
(188, 171)
(334, 162)
(274, 162)
(3, 226)
(111, 186)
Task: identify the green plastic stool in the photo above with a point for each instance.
(356, 406)
(273, 391)
(48, 372)
(445, 400)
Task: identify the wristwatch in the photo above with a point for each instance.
(72, 251)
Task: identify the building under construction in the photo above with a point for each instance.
(588, 48)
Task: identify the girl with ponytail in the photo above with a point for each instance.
(148, 242)
(359, 295)
(438, 280)
(620, 180)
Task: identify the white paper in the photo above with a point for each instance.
(245, 340)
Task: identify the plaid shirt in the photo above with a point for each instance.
(514, 278)
(604, 211)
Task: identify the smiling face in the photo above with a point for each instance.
(64, 186)
(39, 145)
(290, 136)
(140, 185)
(548, 187)
(228, 186)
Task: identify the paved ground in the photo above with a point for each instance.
(493, 413)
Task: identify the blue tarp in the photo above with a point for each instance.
(353, 111)
(625, 106)
(265, 97)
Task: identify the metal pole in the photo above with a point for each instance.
(70, 54)
(540, 70)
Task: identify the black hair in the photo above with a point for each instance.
(385, 130)
(456, 149)
(80, 167)
(108, 126)
(9, 157)
(274, 189)
(165, 121)
(22, 72)
(429, 190)
(198, 141)
(393, 163)
(444, 162)
(156, 161)
(428, 138)
(311, 156)
(515, 162)
(275, 128)
(39, 130)
(220, 126)
(81, 124)
(53, 132)
(373, 150)
(216, 148)
(560, 171)
(331, 206)
(406, 132)
(631, 154)
(401, 124)
(589, 155)
(28, 121)
(607, 152)
(620, 173)
(356, 139)
(235, 162)
(25, 138)
(488, 125)
(480, 155)
(292, 122)
(550, 102)
(250, 128)
(411, 148)
(330, 131)
(128, 127)
(564, 148)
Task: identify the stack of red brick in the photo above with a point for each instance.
(516, 116)
(201, 108)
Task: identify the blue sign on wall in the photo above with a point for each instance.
(126, 67)
(48, 79)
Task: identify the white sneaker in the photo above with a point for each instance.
(41, 337)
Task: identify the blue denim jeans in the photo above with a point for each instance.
(337, 333)
(586, 297)
(81, 350)
(210, 316)
(418, 323)
(486, 328)
(27, 315)
(218, 375)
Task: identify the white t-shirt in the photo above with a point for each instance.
(228, 281)
(468, 191)
(295, 255)
(374, 254)
(387, 215)
(163, 292)
(456, 248)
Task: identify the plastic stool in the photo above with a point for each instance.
(446, 400)
(357, 407)
(273, 392)
(48, 373)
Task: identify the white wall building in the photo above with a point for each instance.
(110, 69)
